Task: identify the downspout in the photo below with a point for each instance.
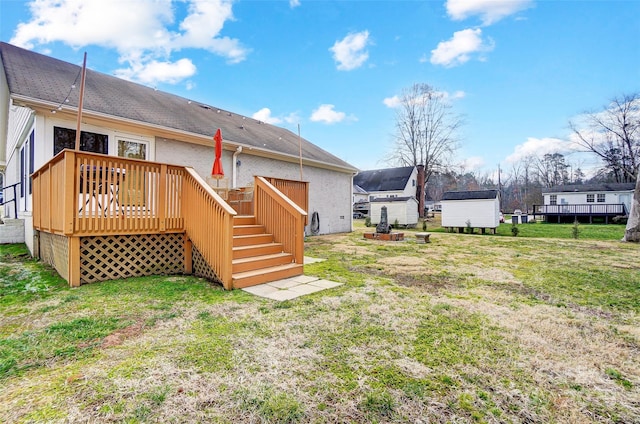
(234, 166)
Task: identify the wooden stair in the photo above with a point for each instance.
(257, 258)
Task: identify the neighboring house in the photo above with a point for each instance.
(360, 201)
(39, 98)
(473, 209)
(404, 210)
(390, 182)
(585, 202)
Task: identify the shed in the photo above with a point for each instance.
(404, 209)
(475, 209)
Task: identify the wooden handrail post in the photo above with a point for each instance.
(70, 205)
(162, 198)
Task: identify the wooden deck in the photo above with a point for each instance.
(99, 217)
(581, 212)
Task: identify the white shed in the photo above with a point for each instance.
(475, 209)
(404, 209)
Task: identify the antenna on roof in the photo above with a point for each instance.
(84, 72)
(300, 145)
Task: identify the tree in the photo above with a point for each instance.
(426, 129)
(632, 232)
(613, 135)
(552, 170)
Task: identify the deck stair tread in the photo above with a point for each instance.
(265, 275)
(257, 258)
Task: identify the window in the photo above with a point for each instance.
(553, 199)
(601, 197)
(590, 198)
(64, 138)
(132, 149)
(413, 183)
(27, 164)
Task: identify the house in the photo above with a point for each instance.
(140, 148)
(387, 183)
(404, 210)
(360, 201)
(471, 209)
(586, 202)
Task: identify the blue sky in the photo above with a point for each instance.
(517, 70)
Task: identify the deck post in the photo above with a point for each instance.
(74, 261)
(188, 255)
(70, 204)
(162, 198)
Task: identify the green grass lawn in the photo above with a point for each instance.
(468, 328)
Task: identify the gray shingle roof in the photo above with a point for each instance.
(391, 199)
(470, 195)
(35, 77)
(384, 179)
(574, 188)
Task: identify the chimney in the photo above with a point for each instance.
(420, 190)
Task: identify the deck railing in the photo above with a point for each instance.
(209, 223)
(298, 191)
(581, 209)
(86, 194)
(281, 217)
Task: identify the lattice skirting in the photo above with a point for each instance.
(54, 250)
(201, 268)
(111, 257)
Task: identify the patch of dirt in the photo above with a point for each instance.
(119, 336)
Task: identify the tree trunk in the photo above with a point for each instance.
(632, 233)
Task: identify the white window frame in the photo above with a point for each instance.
(146, 143)
(591, 198)
(601, 198)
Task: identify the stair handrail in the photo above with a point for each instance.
(281, 217)
(14, 200)
(208, 223)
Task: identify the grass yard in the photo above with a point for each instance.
(536, 328)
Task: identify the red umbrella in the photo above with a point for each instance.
(216, 171)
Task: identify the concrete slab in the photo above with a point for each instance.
(303, 289)
(324, 284)
(309, 260)
(290, 288)
(287, 283)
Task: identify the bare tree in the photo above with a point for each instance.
(426, 129)
(613, 135)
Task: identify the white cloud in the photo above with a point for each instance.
(350, 52)
(392, 102)
(327, 114)
(145, 36)
(490, 11)
(264, 115)
(292, 118)
(155, 71)
(423, 59)
(472, 164)
(538, 147)
(458, 50)
(294, 3)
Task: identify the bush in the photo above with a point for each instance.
(396, 224)
(424, 225)
(367, 221)
(514, 229)
(575, 230)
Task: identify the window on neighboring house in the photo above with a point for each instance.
(590, 198)
(553, 199)
(413, 182)
(601, 197)
(65, 138)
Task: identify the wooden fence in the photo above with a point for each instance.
(280, 217)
